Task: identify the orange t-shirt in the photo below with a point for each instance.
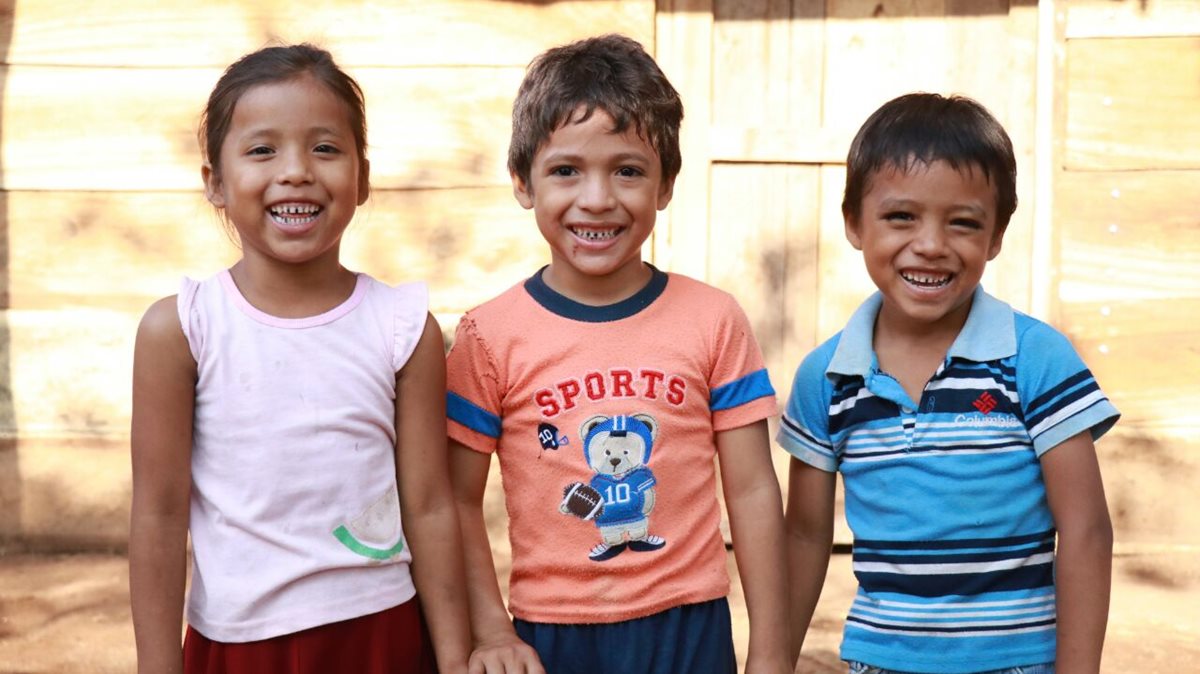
(604, 421)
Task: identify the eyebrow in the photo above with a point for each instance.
(575, 157)
(270, 132)
(892, 203)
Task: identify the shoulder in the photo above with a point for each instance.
(500, 308)
(161, 320)
(160, 333)
(687, 289)
(1037, 339)
(814, 365)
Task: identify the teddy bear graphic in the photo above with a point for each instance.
(621, 493)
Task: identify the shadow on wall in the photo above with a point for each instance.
(1136, 468)
(10, 469)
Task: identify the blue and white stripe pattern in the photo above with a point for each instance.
(953, 538)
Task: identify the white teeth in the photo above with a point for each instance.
(295, 209)
(595, 234)
(927, 280)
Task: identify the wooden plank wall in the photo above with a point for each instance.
(102, 213)
(781, 87)
(1127, 228)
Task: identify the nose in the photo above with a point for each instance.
(930, 238)
(295, 168)
(596, 195)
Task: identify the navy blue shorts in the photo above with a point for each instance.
(694, 638)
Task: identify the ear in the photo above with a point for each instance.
(650, 423)
(589, 425)
(852, 231)
(364, 182)
(212, 185)
(997, 243)
(521, 191)
(665, 192)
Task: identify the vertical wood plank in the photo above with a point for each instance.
(684, 52)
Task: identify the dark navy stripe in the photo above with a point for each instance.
(472, 416)
(931, 628)
(741, 391)
(568, 308)
(957, 543)
(802, 432)
(1019, 553)
(998, 370)
(941, 585)
(962, 401)
(864, 411)
(1048, 397)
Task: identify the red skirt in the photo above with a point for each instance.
(394, 641)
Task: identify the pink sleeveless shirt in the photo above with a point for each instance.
(295, 516)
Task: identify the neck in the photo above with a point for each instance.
(293, 291)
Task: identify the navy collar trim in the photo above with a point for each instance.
(566, 307)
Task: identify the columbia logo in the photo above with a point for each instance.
(985, 402)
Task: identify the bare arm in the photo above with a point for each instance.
(1083, 570)
(809, 540)
(426, 503)
(164, 393)
(756, 522)
(498, 648)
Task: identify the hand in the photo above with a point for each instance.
(505, 654)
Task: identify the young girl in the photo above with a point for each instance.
(285, 412)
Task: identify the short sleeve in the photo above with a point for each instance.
(740, 390)
(185, 304)
(804, 428)
(472, 390)
(1059, 396)
(409, 315)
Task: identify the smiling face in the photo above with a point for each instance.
(926, 234)
(290, 178)
(595, 195)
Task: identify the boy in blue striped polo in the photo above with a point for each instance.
(962, 429)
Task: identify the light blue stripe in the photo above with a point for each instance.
(472, 416)
(741, 391)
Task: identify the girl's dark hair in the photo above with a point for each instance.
(924, 128)
(270, 65)
(610, 72)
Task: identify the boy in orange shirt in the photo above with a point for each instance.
(606, 388)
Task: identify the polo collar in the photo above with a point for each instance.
(988, 334)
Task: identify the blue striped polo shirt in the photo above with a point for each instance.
(953, 536)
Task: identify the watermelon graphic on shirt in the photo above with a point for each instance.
(375, 533)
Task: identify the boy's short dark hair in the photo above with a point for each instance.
(610, 72)
(925, 128)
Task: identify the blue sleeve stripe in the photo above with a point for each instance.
(741, 391)
(463, 411)
(1038, 405)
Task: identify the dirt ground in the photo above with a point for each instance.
(70, 614)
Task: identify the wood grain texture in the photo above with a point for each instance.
(135, 129)
(1132, 103)
(683, 50)
(879, 49)
(763, 251)
(1128, 236)
(180, 33)
(1132, 18)
(120, 251)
